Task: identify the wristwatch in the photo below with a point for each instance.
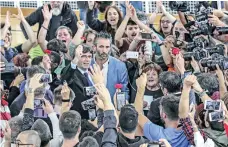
(68, 100)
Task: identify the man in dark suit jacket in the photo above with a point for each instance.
(76, 75)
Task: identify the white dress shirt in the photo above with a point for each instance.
(105, 71)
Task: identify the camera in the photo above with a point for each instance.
(204, 29)
(88, 104)
(198, 42)
(197, 53)
(211, 63)
(217, 49)
(222, 30)
(213, 105)
(90, 91)
(178, 6)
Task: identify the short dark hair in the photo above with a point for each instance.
(35, 69)
(87, 32)
(57, 46)
(55, 57)
(171, 81)
(151, 66)
(128, 118)
(86, 49)
(69, 124)
(37, 60)
(64, 27)
(86, 126)
(58, 96)
(86, 133)
(208, 82)
(89, 142)
(170, 106)
(103, 35)
(131, 22)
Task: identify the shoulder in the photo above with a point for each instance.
(116, 61)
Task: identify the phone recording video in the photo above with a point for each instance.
(132, 55)
(154, 144)
(88, 104)
(212, 105)
(90, 91)
(146, 36)
(216, 116)
(121, 100)
(38, 109)
(46, 78)
(9, 67)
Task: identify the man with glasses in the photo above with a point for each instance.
(28, 138)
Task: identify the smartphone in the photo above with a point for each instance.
(213, 105)
(90, 91)
(188, 72)
(132, 55)
(46, 78)
(121, 100)
(38, 109)
(9, 67)
(146, 36)
(92, 114)
(216, 116)
(88, 104)
(154, 144)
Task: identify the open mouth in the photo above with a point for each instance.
(64, 41)
(113, 20)
(134, 34)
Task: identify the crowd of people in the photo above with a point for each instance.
(123, 81)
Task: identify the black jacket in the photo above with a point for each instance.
(76, 81)
(66, 18)
(123, 141)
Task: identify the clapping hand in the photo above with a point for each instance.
(20, 15)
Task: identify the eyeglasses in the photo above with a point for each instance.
(19, 143)
(165, 21)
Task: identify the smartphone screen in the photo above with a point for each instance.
(132, 55)
(46, 78)
(146, 36)
(88, 104)
(90, 91)
(9, 67)
(38, 109)
(121, 100)
(92, 114)
(212, 105)
(186, 73)
(216, 116)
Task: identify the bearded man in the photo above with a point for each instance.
(62, 15)
(114, 70)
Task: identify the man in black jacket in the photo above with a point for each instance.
(77, 78)
(62, 15)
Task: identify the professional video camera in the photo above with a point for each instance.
(197, 53)
(198, 42)
(203, 29)
(217, 49)
(213, 60)
(222, 30)
(179, 6)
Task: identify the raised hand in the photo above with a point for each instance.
(141, 81)
(47, 107)
(134, 16)
(18, 80)
(98, 102)
(189, 81)
(7, 19)
(35, 81)
(180, 63)
(47, 14)
(81, 25)
(20, 15)
(65, 92)
(195, 65)
(214, 20)
(103, 93)
(96, 74)
(78, 54)
(128, 9)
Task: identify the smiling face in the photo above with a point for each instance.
(64, 35)
(152, 78)
(112, 17)
(166, 25)
(132, 31)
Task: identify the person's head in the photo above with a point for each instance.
(208, 82)
(70, 124)
(56, 7)
(15, 124)
(89, 142)
(86, 126)
(89, 37)
(37, 61)
(22, 60)
(42, 128)
(170, 82)
(84, 55)
(30, 138)
(169, 108)
(8, 37)
(103, 42)
(57, 45)
(55, 60)
(113, 16)
(84, 134)
(64, 34)
(132, 29)
(58, 96)
(152, 70)
(165, 25)
(128, 119)
(43, 61)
